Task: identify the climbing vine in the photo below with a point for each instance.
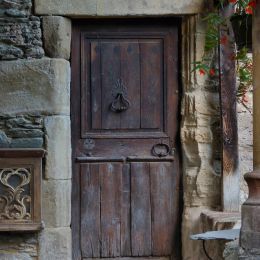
(243, 9)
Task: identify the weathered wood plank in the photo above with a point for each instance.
(95, 81)
(111, 183)
(110, 73)
(90, 210)
(140, 209)
(230, 171)
(162, 203)
(151, 84)
(125, 213)
(130, 75)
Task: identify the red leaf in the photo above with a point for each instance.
(223, 40)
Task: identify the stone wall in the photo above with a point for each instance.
(35, 113)
(20, 32)
(200, 135)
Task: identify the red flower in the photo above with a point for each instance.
(212, 72)
(249, 10)
(252, 3)
(202, 72)
(232, 1)
(223, 40)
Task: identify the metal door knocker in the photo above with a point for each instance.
(120, 103)
(161, 150)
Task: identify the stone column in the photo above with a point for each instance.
(250, 232)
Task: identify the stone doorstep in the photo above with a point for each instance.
(215, 220)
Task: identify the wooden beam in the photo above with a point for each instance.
(230, 169)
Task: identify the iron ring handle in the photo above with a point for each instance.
(161, 153)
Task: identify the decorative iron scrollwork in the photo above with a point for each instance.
(161, 150)
(120, 103)
(15, 201)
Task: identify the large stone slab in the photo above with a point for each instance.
(57, 36)
(55, 244)
(117, 7)
(58, 145)
(35, 86)
(56, 203)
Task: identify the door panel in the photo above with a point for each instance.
(127, 209)
(125, 147)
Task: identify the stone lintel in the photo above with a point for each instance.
(106, 8)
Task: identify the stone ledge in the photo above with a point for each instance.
(117, 7)
(35, 87)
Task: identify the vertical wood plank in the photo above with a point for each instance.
(95, 81)
(151, 84)
(111, 185)
(110, 67)
(230, 171)
(130, 74)
(140, 209)
(162, 204)
(90, 210)
(125, 213)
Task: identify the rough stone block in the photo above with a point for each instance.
(231, 250)
(27, 143)
(15, 8)
(20, 38)
(18, 246)
(35, 86)
(191, 224)
(117, 7)
(56, 203)
(55, 244)
(58, 145)
(57, 36)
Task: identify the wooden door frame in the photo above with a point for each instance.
(75, 123)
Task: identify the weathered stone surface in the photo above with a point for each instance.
(191, 224)
(15, 8)
(4, 140)
(56, 203)
(35, 86)
(231, 250)
(26, 143)
(55, 244)
(117, 7)
(18, 246)
(200, 135)
(20, 38)
(21, 131)
(245, 144)
(57, 36)
(58, 145)
(10, 256)
(253, 254)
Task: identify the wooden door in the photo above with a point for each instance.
(125, 200)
